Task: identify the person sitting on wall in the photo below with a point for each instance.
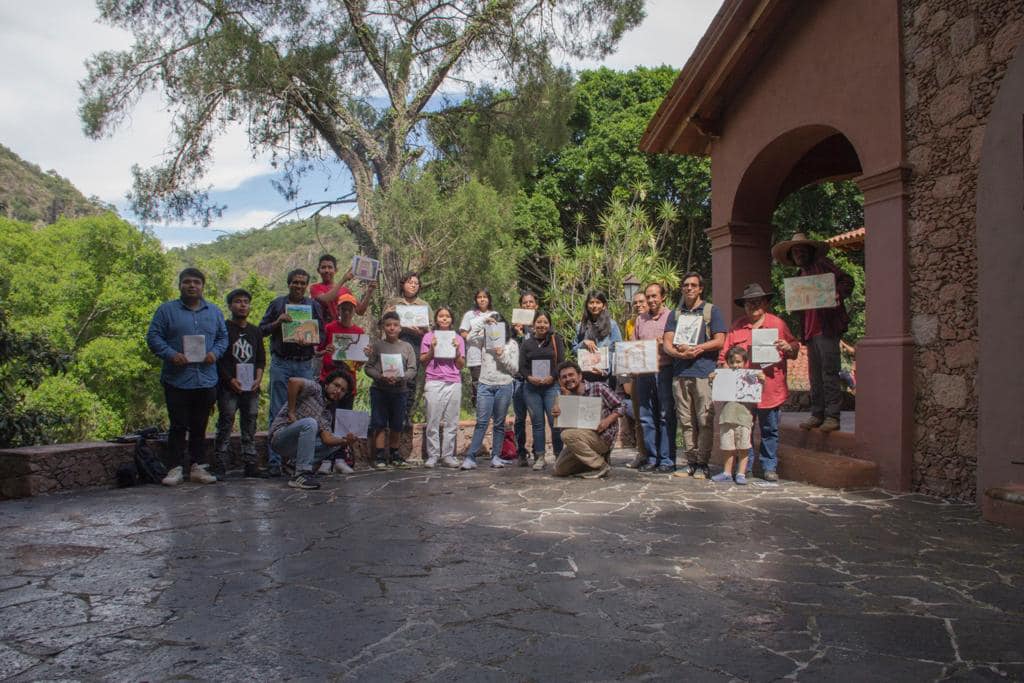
(822, 328)
(585, 451)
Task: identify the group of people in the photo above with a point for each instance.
(526, 370)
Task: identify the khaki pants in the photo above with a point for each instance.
(582, 451)
(695, 414)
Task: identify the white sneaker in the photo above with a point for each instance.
(199, 475)
(468, 464)
(430, 462)
(341, 467)
(497, 463)
(174, 477)
(449, 461)
(325, 467)
(540, 462)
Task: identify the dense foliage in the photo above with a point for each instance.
(27, 193)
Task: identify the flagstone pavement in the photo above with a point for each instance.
(506, 575)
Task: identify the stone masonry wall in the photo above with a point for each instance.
(955, 54)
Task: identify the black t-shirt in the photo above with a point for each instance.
(245, 345)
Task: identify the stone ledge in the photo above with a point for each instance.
(1004, 505)
(827, 469)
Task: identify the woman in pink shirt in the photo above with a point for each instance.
(755, 302)
(443, 388)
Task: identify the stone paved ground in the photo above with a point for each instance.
(506, 575)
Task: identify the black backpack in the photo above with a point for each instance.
(149, 464)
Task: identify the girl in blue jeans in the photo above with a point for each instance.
(498, 365)
(541, 388)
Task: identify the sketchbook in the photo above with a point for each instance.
(578, 412)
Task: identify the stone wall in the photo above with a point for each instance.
(955, 55)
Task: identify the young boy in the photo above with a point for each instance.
(389, 392)
(735, 420)
(245, 345)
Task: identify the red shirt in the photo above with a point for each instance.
(331, 309)
(775, 391)
(331, 328)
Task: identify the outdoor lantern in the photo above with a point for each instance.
(630, 286)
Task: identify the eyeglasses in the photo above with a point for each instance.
(692, 285)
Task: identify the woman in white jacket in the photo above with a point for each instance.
(498, 366)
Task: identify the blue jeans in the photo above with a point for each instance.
(541, 401)
(492, 401)
(768, 421)
(657, 416)
(519, 408)
(301, 440)
(282, 370)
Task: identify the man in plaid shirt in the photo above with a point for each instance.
(585, 452)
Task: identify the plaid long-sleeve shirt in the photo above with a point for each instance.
(610, 403)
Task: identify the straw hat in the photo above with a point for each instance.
(780, 252)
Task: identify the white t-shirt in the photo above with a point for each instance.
(474, 349)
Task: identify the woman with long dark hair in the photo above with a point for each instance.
(474, 349)
(538, 364)
(596, 331)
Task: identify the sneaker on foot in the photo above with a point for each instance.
(637, 461)
(342, 467)
(174, 477)
(771, 475)
(741, 479)
(497, 463)
(325, 467)
(523, 460)
(380, 464)
(700, 472)
(723, 478)
(400, 463)
(449, 461)
(647, 468)
(830, 424)
(666, 469)
(199, 475)
(600, 473)
(539, 462)
(468, 464)
(304, 480)
(431, 462)
(685, 472)
(813, 422)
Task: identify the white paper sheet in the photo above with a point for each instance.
(350, 347)
(540, 369)
(392, 365)
(687, 329)
(593, 360)
(494, 335)
(636, 357)
(578, 412)
(444, 347)
(194, 347)
(736, 385)
(762, 350)
(365, 268)
(351, 422)
(413, 316)
(523, 316)
(245, 373)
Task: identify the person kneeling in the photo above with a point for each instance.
(585, 452)
(302, 428)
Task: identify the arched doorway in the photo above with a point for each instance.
(1000, 235)
(741, 254)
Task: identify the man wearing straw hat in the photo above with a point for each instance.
(822, 329)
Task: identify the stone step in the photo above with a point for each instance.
(1004, 505)
(822, 468)
(842, 442)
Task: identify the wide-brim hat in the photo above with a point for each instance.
(780, 252)
(752, 291)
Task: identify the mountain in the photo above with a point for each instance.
(29, 194)
(272, 252)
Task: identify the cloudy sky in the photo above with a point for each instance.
(44, 43)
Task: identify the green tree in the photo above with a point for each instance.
(458, 238)
(626, 245)
(305, 79)
(89, 286)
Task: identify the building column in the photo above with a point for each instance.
(740, 255)
(885, 356)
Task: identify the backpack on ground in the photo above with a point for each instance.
(149, 464)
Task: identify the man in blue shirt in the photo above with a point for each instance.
(287, 359)
(701, 331)
(189, 334)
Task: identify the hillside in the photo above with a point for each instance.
(27, 193)
(271, 252)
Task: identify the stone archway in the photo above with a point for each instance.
(1000, 235)
(741, 254)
